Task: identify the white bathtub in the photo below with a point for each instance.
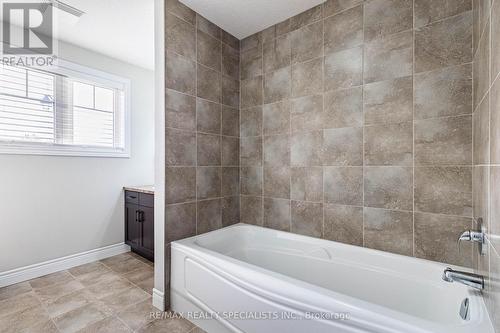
(255, 280)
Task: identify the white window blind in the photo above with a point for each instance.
(69, 111)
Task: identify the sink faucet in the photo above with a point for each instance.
(469, 279)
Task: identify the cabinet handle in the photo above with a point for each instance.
(131, 197)
(141, 216)
(136, 216)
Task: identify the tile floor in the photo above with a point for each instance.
(111, 295)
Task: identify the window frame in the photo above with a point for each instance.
(93, 76)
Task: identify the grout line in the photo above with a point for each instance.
(413, 131)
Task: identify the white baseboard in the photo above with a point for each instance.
(159, 299)
(33, 271)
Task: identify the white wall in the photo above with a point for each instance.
(52, 207)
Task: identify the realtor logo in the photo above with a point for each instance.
(27, 28)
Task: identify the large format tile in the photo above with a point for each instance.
(18, 303)
(389, 57)
(343, 146)
(182, 184)
(208, 27)
(332, 7)
(251, 210)
(181, 221)
(307, 43)
(230, 92)
(306, 149)
(343, 69)
(389, 144)
(387, 102)
(277, 182)
(230, 210)
(306, 113)
(444, 190)
(51, 279)
(180, 110)
(251, 122)
(343, 185)
(208, 149)
(386, 17)
(388, 187)
(251, 64)
(429, 11)
(277, 150)
(495, 123)
(251, 180)
(389, 230)
(52, 293)
(444, 43)
(444, 92)
(208, 117)
(230, 121)
(277, 53)
(344, 31)
(309, 16)
(180, 37)
(230, 62)
(444, 141)
(180, 73)
(436, 238)
(230, 181)
(209, 84)
(209, 216)
(277, 214)
(180, 148)
(277, 85)
(481, 132)
(137, 315)
(33, 319)
(208, 182)
(69, 302)
(343, 224)
(80, 318)
(251, 151)
(108, 325)
(276, 118)
(307, 184)
(230, 148)
(481, 68)
(120, 301)
(252, 92)
(343, 108)
(180, 10)
(307, 78)
(209, 51)
(171, 325)
(307, 218)
(14, 290)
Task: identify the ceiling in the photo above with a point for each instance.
(243, 18)
(121, 29)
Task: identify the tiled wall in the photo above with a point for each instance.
(202, 125)
(487, 143)
(356, 125)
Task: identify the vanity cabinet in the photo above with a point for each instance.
(139, 223)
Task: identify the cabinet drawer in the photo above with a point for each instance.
(132, 197)
(147, 200)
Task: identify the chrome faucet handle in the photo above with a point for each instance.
(478, 237)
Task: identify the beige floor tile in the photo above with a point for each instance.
(125, 298)
(47, 326)
(100, 275)
(51, 279)
(22, 321)
(170, 325)
(109, 287)
(85, 269)
(69, 302)
(108, 325)
(80, 318)
(53, 292)
(197, 330)
(18, 304)
(128, 265)
(14, 290)
(143, 278)
(137, 315)
(117, 259)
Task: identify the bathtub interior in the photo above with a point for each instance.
(402, 284)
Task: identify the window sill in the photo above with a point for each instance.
(62, 150)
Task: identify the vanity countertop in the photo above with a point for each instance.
(148, 189)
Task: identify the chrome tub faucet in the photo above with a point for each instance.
(469, 279)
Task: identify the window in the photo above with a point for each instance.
(70, 110)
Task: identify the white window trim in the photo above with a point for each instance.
(78, 71)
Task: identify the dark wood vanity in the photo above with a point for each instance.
(139, 221)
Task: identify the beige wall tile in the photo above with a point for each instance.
(343, 224)
(277, 214)
(343, 69)
(429, 11)
(388, 187)
(389, 144)
(343, 185)
(386, 17)
(307, 218)
(344, 30)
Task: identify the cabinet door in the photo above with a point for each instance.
(131, 224)
(147, 228)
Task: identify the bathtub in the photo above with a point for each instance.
(255, 280)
